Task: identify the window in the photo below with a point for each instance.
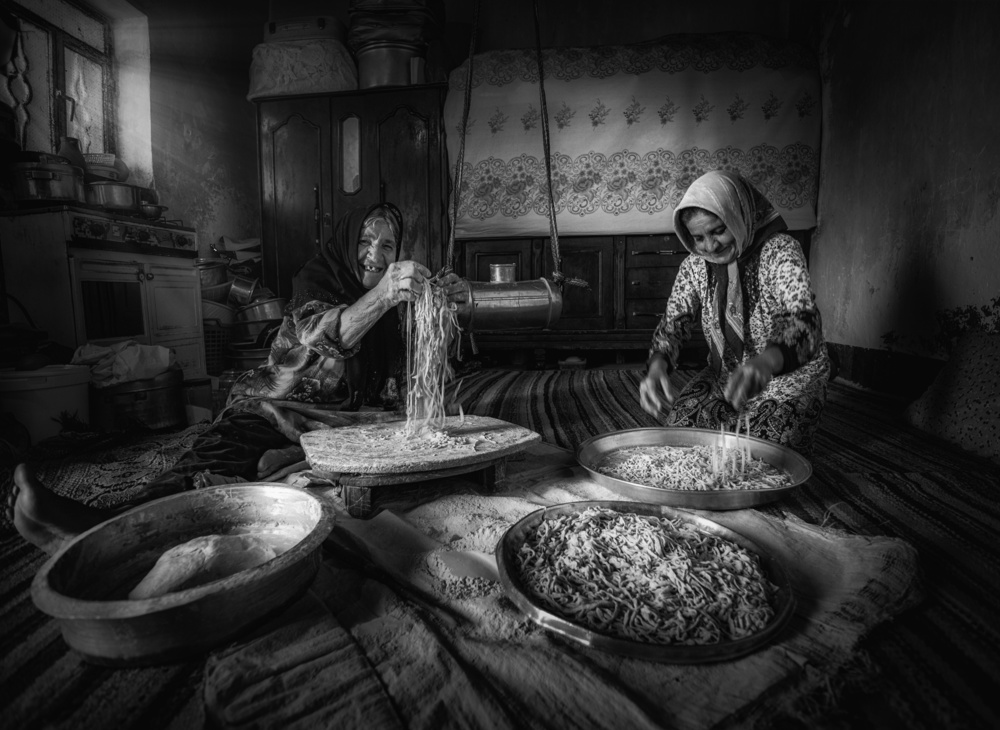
(60, 81)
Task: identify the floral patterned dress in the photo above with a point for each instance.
(780, 309)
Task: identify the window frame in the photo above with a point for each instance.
(59, 41)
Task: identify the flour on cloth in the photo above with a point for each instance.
(450, 649)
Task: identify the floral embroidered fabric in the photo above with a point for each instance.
(631, 128)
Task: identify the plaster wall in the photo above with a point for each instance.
(908, 207)
(204, 144)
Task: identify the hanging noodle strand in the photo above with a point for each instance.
(432, 327)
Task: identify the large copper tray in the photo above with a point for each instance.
(592, 451)
(514, 538)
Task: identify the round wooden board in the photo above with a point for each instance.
(384, 448)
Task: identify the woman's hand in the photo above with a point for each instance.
(656, 394)
(403, 281)
(750, 378)
(456, 289)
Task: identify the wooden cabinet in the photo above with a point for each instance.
(629, 281)
(322, 155)
(651, 265)
(629, 277)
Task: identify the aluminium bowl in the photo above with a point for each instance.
(592, 451)
(85, 585)
(538, 612)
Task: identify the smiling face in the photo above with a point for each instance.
(377, 248)
(712, 240)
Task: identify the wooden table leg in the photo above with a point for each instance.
(358, 501)
(495, 476)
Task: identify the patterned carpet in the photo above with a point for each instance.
(935, 666)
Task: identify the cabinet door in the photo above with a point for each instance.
(295, 185)
(477, 256)
(173, 300)
(588, 258)
(399, 158)
(111, 301)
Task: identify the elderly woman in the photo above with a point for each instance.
(747, 281)
(338, 346)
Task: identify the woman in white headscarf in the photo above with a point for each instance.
(747, 282)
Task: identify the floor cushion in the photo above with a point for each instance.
(962, 405)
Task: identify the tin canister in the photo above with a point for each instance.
(503, 273)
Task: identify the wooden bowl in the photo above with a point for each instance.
(85, 585)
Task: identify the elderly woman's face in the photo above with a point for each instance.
(377, 249)
(712, 240)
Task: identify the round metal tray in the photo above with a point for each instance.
(514, 538)
(592, 451)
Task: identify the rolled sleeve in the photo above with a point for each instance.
(317, 326)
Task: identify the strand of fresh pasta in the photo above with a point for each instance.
(432, 325)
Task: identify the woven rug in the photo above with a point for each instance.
(934, 666)
(937, 666)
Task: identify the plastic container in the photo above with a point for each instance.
(37, 398)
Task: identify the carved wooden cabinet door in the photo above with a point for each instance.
(295, 185)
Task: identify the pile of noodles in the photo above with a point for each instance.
(644, 578)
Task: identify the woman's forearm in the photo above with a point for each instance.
(358, 318)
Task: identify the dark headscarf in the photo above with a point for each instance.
(752, 220)
(335, 276)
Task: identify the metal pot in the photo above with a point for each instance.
(246, 358)
(153, 212)
(250, 333)
(242, 291)
(262, 309)
(113, 196)
(47, 181)
(212, 272)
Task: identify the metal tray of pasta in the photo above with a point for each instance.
(645, 581)
(701, 469)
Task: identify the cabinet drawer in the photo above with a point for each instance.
(649, 282)
(644, 314)
(654, 251)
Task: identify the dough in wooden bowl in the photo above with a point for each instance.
(202, 560)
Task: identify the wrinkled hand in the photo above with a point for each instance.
(456, 289)
(747, 380)
(656, 394)
(403, 282)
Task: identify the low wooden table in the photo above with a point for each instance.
(374, 459)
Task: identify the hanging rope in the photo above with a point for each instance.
(557, 275)
(460, 162)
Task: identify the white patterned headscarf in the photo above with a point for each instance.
(751, 219)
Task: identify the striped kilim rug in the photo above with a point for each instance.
(934, 666)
